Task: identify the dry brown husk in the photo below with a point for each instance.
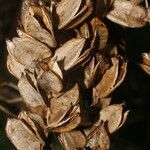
(128, 14)
(111, 79)
(145, 65)
(22, 136)
(74, 14)
(96, 136)
(66, 67)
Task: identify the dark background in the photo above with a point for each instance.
(135, 90)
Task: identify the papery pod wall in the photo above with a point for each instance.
(67, 68)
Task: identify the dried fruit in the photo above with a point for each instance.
(22, 136)
(113, 116)
(98, 137)
(112, 78)
(145, 65)
(77, 11)
(66, 67)
(128, 14)
(70, 52)
(72, 140)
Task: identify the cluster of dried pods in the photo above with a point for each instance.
(67, 72)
